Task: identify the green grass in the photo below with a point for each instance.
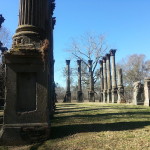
(95, 126)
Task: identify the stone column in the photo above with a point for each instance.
(79, 92)
(27, 105)
(138, 98)
(113, 71)
(67, 97)
(108, 78)
(147, 91)
(33, 24)
(105, 81)
(101, 80)
(120, 87)
(91, 83)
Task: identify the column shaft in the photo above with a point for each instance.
(120, 87)
(67, 97)
(79, 92)
(108, 78)
(101, 81)
(105, 80)
(91, 83)
(113, 71)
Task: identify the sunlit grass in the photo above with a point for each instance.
(95, 126)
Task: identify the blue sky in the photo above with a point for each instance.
(125, 23)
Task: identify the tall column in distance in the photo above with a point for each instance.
(120, 87)
(91, 83)
(101, 80)
(113, 71)
(79, 92)
(105, 81)
(108, 78)
(68, 93)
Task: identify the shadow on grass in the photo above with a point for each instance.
(67, 130)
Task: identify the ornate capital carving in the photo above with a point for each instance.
(52, 6)
(112, 52)
(67, 62)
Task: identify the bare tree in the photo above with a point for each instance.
(88, 47)
(5, 37)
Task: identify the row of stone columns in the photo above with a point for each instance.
(110, 92)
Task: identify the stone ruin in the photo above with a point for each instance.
(29, 102)
(111, 91)
(141, 92)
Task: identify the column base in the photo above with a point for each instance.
(109, 96)
(17, 134)
(101, 97)
(114, 95)
(67, 98)
(79, 96)
(91, 96)
(105, 97)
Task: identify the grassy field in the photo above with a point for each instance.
(95, 126)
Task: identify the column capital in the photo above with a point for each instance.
(79, 62)
(112, 52)
(104, 59)
(67, 62)
(101, 62)
(90, 62)
(53, 5)
(107, 56)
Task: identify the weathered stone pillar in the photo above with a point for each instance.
(67, 97)
(27, 108)
(91, 83)
(147, 91)
(33, 24)
(108, 78)
(138, 97)
(113, 72)
(101, 80)
(79, 92)
(120, 87)
(105, 81)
